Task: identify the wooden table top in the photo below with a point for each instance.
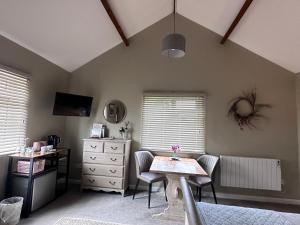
(34, 155)
(184, 166)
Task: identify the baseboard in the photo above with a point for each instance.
(220, 195)
(131, 187)
(145, 188)
(254, 198)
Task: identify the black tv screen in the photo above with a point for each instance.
(72, 105)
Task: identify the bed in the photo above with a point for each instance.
(212, 214)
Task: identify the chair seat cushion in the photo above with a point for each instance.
(200, 181)
(151, 177)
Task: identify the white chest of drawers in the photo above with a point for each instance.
(105, 164)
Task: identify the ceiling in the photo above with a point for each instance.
(70, 33)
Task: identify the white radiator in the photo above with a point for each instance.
(253, 173)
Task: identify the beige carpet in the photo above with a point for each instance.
(78, 221)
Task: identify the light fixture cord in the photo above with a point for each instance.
(174, 15)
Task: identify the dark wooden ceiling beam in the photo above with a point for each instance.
(236, 20)
(115, 21)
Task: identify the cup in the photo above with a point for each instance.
(29, 151)
(44, 149)
(49, 147)
(36, 146)
(22, 150)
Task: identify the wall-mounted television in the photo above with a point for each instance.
(72, 105)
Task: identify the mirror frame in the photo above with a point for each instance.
(119, 103)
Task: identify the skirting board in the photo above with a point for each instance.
(222, 195)
(155, 188)
(254, 198)
(131, 187)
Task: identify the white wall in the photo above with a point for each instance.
(223, 71)
(46, 79)
(298, 117)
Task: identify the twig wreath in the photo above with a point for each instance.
(244, 110)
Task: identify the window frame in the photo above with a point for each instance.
(177, 94)
(18, 73)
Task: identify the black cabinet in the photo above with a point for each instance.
(40, 188)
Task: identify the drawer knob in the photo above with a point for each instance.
(92, 169)
(93, 146)
(113, 159)
(112, 182)
(93, 158)
(114, 148)
(113, 171)
(91, 180)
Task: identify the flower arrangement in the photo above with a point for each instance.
(124, 130)
(175, 149)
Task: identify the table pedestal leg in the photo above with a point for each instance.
(175, 209)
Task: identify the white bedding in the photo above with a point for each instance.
(292, 217)
(212, 214)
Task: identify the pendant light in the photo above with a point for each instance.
(173, 45)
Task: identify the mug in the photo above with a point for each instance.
(36, 146)
(22, 150)
(44, 149)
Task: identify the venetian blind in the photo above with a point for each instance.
(169, 120)
(14, 95)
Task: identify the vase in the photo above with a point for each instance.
(123, 135)
(174, 156)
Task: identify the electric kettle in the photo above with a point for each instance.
(53, 140)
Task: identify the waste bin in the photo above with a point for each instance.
(10, 210)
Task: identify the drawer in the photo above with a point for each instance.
(113, 147)
(93, 146)
(102, 170)
(100, 181)
(103, 158)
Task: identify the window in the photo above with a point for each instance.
(174, 119)
(14, 95)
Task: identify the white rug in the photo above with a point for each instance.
(78, 221)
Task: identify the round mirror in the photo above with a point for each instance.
(114, 111)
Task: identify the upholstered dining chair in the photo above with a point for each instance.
(143, 161)
(209, 163)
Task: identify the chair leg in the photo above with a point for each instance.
(199, 193)
(165, 187)
(136, 187)
(149, 195)
(214, 193)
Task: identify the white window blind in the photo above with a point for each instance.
(14, 96)
(169, 120)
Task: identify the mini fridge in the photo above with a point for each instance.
(44, 187)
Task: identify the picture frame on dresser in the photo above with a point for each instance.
(105, 165)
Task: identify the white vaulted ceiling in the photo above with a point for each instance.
(270, 28)
(70, 33)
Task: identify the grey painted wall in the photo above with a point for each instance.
(298, 115)
(221, 71)
(46, 79)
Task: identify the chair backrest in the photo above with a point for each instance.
(143, 161)
(209, 163)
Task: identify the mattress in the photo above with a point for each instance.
(212, 214)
